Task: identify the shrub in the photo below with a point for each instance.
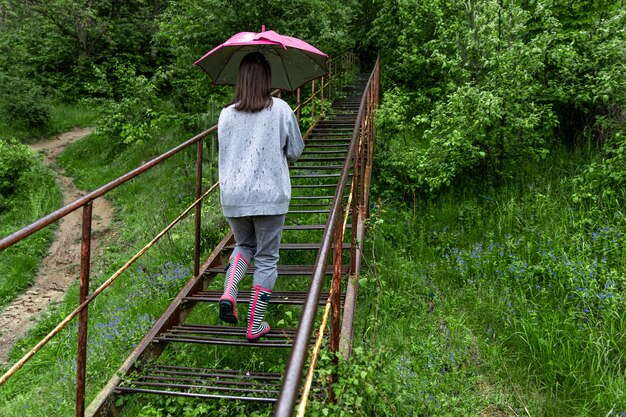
(15, 160)
(24, 103)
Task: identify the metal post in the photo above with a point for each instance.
(362, 159)
(312, 102)
(298, 107)
(81, 357)
(213, 159)
(336, 285)
(322, 102)
(330, 83)
(198, 223)
(355, 206)
(368, 120)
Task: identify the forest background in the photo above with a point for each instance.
(496, 265)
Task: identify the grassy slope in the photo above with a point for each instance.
(489, 300)
(63, 117)
(38, 196)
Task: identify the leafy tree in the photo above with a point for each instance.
(486, 84)
(59, 41)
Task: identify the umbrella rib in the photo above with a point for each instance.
(282, 61)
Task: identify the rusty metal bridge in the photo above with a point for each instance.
(328, 211)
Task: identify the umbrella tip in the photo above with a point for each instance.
(262, 28)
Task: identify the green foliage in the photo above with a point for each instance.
(129, 114)
(15, 161)
(24, 103)
(601, 184)
(55, 41)
(481, 87)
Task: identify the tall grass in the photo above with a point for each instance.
(534, 281)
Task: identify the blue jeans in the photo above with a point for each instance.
(258, 238)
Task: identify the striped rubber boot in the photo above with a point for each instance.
(228, 301)
(259, 298)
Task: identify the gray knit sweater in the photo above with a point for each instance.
(254, 149)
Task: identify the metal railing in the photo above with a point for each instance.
(359, 156)
(337, 67)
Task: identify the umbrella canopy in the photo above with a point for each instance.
(293, 62)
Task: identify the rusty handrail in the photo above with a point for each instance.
(80, 202)
(87, 299)
(293, 374)
(322, 328)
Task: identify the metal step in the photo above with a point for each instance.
(205, 383)
(314, 167)
(284, 269)
(243, 297)
(320, 159)
(298, 246)
(317, 145)
(206, 334)
(295, 206)
(316, 176)
(320, 211)
(310, 227)
(312, 197)
(313, 152)
(333, 185)
(336, 121)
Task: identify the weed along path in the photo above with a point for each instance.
(61, 266)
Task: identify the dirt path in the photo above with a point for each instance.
(60, 268)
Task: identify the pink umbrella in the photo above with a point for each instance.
(293, 62)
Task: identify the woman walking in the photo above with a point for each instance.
(258, 136)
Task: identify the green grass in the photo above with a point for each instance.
(525, 290)
(66, 116)
(37, 196)
(63, 117)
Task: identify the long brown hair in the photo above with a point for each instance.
(253, 84)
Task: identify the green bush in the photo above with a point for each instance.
(15, 160)
(478, 90)
(24, 103)
(602, 182)
(130, 115)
